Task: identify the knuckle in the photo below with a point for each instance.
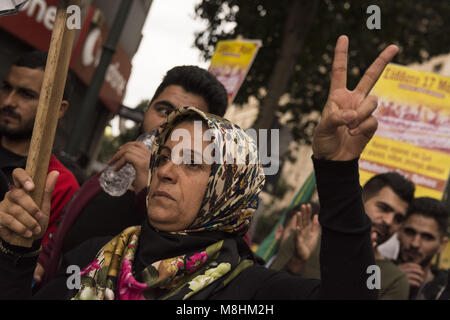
(3, 219)
(117, 156)
(371, 75)
(20, 228)
(31, 224)
(338, 69)
(340, 51)
(372, 100)
(382, 60)
(16, 193)
(8, 222)
(34, 210)
(19, 173)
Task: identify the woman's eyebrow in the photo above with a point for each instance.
(165, 103)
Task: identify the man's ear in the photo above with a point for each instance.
(279, 232)
(63, 108)
(444, 242)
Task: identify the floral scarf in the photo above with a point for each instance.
(199, 261)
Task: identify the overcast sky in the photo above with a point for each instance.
(168, 37)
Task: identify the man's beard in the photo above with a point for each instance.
(421, 260)
(22, 133)
(382, 231)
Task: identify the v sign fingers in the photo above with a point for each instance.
(364, 112)
(347, 124)
(339, 68)
(372, 74)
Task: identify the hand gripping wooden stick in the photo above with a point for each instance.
(49, 104)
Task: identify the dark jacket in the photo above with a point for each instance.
(436, 289)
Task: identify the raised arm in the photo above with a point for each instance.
(345, 128)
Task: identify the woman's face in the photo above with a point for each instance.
(177, 190)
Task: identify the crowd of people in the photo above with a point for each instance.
(181, 230)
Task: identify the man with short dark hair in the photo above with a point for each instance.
(422, 236)
(181, 86)
(386, 199)
(387, 196)
(19, 97)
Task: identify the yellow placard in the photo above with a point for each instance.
(231, 61)
(413, 136)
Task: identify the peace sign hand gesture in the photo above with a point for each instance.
(347, 123)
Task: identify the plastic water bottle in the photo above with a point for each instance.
(116, 183)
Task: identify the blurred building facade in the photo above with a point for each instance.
(31, 29)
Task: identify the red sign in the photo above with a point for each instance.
(34, 25)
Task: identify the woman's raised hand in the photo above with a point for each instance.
(19, 214)
(347, 123)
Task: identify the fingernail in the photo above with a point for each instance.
(29, 185)
(349, 116)
(37, 230)
(28, 234)
(355, 131)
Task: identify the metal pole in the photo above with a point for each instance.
(90, 100)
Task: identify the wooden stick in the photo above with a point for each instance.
(49, 105)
